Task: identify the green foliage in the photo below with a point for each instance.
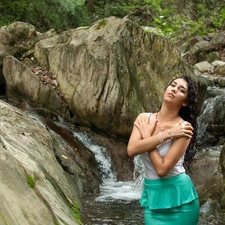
(218, 19)
(167, 16)
(44, 14)
(155, 4)
(120, 9)
(106, 8)
(12, 11)
(177, 23)
(57, 14)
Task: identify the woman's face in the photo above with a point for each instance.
(177, 92)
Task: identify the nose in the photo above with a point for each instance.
(174, 89)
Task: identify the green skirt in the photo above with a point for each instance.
(170, 201)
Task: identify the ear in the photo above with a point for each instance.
(185, 103)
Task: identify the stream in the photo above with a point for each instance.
(114, 212)
(118, 202)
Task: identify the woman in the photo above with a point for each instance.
(165, 143)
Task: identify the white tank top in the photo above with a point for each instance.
(163, 148)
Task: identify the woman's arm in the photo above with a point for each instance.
(164, 164)
(137, 145)
(142, 140)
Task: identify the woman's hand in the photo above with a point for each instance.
(143, 124)
(181, 129)
(142, 138)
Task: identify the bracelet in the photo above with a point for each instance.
(170, 135)
(160, 137)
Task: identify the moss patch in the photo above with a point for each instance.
(76, 212)
(101, 24)
(30, 181)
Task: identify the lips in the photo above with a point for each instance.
(171, 95)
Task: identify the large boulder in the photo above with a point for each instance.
(206, 174)
(42, 180)
(16, 39)
(211, 122)
(19, 39)
(107, 73)
(111, 71)
(22, 84)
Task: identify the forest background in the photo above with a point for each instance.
(176, 19)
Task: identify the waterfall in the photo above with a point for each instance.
(111, 189)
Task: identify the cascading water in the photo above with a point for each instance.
(110, 188)
(118, 201)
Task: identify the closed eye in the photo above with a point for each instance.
(182, 90)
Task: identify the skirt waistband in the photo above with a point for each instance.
(168, 192)
(165, 180)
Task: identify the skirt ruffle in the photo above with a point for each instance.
(169, 192)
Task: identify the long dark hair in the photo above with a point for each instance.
(189, 113)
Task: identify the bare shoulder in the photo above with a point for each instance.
(144, 115)
(184, 122)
